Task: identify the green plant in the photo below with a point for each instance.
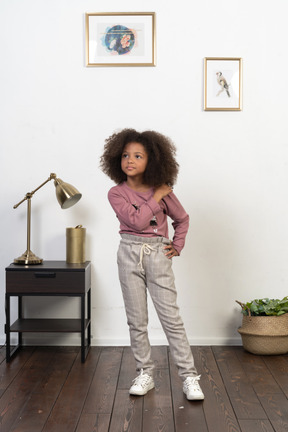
(265, 307)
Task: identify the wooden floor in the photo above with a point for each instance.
(50, 390)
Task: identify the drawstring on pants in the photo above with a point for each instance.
(145, 249)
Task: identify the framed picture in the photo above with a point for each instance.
(120, 39)
(222, 84)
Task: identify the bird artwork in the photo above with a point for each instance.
(223, 84)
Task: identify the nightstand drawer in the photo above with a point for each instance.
(45, 282)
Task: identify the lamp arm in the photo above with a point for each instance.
(30, 194)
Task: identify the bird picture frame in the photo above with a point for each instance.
(222, 84)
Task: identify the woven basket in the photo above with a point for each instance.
(265, 335)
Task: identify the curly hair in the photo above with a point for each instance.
(162, 166)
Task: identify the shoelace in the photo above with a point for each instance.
(193, 382)
(145, 249)
(141, 379)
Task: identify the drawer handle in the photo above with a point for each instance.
(45, 275)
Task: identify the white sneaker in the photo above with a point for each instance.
(192, 388)
(141, 384)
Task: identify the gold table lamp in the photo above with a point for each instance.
(67, 195)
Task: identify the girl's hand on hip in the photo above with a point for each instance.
(171, 252)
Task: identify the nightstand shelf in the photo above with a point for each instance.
(47, 325)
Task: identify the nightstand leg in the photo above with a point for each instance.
(89, 318)
(7, 327)
(83, 328)
(20, 316)
(9, 352)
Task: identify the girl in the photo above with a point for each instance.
(144, 168)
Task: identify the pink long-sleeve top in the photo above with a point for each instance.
(139, 214)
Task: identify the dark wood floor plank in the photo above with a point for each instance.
(69, 404)
(8, 371)
(278, 367)
(267, 389)
(102, 391)
(14, 401)
(157, 410)
(241, 393)
(218, 411)
(258, 373)
(256, 426)
(188, 415)
(41, 401)
(127, 413)
(94, 423)
(276, 407)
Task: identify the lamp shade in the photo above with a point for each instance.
(67, 195)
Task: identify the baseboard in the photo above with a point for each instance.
(155, 342)
(43, 339)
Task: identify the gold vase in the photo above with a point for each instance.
(75, 245)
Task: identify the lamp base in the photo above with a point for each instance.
(28, 258)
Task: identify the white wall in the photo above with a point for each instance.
(56, 113)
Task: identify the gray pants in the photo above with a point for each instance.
(142, 265)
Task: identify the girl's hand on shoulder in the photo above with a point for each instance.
(171, 252)
(162, 191)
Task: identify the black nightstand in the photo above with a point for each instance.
(52, 278)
